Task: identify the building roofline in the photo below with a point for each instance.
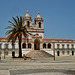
(58, 39)
(44, 39)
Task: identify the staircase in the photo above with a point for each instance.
(38, 54)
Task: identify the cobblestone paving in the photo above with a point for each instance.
(37, 67)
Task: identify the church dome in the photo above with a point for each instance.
(27, 15)
(38, 16)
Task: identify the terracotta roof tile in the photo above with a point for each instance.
(7, 39)
(3, 38)
(58, 39)
(44, 39)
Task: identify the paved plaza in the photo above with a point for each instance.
(61, 66)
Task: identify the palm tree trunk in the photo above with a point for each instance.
(20, 50)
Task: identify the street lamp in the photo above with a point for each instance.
(54, 49)
(4, 52)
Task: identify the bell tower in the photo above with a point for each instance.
(37, 26)
(27, 20)
(38, 21)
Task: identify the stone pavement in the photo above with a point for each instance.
(38, 67)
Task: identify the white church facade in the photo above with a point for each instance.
(62, 47)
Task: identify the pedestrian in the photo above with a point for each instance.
(24, 56)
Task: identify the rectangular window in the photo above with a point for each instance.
(57, 45)
(72, 45)
(62, 45)
(67, 45)
(67, 52)
(13, 46)
(6, 52)
(6, 46)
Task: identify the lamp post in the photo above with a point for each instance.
(0, 52)
(4, 52)
(54, 50)
(13, 47)
(0, 57)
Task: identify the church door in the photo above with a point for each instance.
(37, 44)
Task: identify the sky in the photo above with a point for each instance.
(59, 16)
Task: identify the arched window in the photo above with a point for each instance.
(39, 24)
(44, 45)
(49, 45)
(24, 45)
(29, 45)
(28, 23)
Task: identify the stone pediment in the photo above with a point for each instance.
(37, 36)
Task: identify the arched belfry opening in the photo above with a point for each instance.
(36, 44)
(39, 24)
(28, 23)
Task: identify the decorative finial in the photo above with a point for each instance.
(38, 12)
(27, 10)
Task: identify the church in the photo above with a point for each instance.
(59, 47)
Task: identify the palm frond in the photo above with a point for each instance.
(11, 23)
(21, 20)
(15, 20)
(10, 37)
(8, 32)
(17, 30)
(9, 27)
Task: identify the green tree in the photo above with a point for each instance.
(16, 30)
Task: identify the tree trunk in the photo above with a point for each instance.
(20, 50)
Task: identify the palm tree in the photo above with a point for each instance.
(16, 31)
